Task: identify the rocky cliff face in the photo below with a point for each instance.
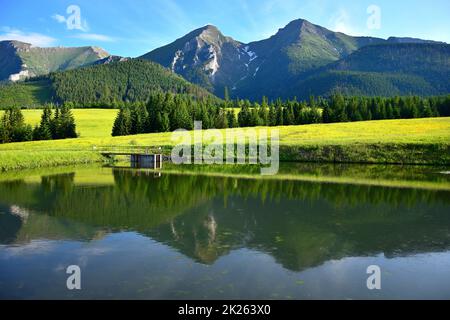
(205, 56)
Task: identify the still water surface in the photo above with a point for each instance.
(193, 236)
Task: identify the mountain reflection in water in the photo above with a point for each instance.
(288, 227)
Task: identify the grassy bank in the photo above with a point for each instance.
(385, 153)
(416, 141)
(21, 159)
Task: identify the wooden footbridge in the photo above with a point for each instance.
(140, 156)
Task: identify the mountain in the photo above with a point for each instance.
(301, 59)
(206, 57)
(400, 68)
(268, 67)
(19, 60)
(100, 85)
(298, 48)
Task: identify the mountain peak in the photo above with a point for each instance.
(211, 27)
(208, 29)
(15, 44)
(297, 22)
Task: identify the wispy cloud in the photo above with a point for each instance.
(36, 39)
(59, 18)
(94, 37)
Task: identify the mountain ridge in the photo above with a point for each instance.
(300, 59)
(22, 60)
(384, 70)
(208, 58)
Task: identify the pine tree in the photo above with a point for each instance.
(245, 114)
(162, 122)
(264, 112)
(122, 124)
(66, 128)
(139, 116)
(389, 111)
(327, 114)
(205, 118)
(426, 111)
(254, 119)
(221, 121)
(279, 113)
(54, 125)
(232, 121)
(289, 118)
(338, 106)
(43, 130)
(180, 118)
(272, 115)
(13, 127)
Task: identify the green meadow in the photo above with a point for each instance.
(415, 141)
(90, 122)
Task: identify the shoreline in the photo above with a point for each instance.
(383, 154)
(414, 141)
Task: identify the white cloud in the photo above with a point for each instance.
(36, 39)
(94, 37)
(59, 18)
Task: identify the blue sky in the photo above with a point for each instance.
(134, 27)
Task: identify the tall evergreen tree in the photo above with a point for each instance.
(122, 124)
(66, 127)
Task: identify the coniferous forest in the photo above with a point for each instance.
(56, 123)
(168, 112)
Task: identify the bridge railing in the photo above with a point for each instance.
(129, 149)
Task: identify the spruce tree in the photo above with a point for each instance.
(139, 116)
(289, 118)
(122, 124)
(264, 112)
(162, 122)
(13, 127)
(180, 118)
(43, 130)
(232, 121)
(327, 114)
(272, 115)
(66, 128)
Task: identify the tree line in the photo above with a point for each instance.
(168, 112)
(59, 124)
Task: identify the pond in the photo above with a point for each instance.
(212, 233)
